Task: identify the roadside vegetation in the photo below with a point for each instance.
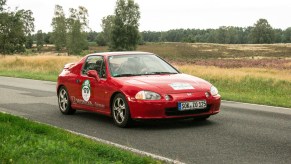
(24, 141)
(252, 85)
(40, 67)
(197, 52)
(247, 73)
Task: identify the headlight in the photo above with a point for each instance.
(147, 95)
(213, 91)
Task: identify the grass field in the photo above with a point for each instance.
(40, 67)
(24, 141)
(248, 73)
(258, 74)
(252, 85)
(180, 52)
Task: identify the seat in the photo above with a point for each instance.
(100, 68)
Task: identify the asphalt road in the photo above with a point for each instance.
(241, 133)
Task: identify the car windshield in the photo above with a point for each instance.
(137, 65)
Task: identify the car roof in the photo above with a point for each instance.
(121, 53)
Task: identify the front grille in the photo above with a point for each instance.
(176, 112)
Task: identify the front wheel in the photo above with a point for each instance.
(64, 102)
(120, 111)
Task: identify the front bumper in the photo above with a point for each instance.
(163, 109)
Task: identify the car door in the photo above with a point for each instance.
(89, 90)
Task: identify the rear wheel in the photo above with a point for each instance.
(64, 102)
(120, 111)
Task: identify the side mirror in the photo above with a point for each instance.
(94, 74)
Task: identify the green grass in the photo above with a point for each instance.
(249, 89)
(30, 75)
(255, 90)
(269, 85)
(24, 141)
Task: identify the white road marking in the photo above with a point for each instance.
(256, 107)
(43, 86)
(235, 102)
(136, 151)
(143, 153)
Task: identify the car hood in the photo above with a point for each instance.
(174, 83)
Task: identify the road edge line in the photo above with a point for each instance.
(143, 153)
(221, 100)
(136, 151)
(261, 105)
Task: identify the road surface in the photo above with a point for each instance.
(241, 133)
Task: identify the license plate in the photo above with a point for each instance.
(192, 105)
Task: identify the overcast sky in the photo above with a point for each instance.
(162, 15)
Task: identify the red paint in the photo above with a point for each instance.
(103, 89)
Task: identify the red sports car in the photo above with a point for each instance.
(134, 85)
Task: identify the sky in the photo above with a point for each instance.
(163, 15)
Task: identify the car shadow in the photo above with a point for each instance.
(94, 116)
(173, 124)
(150, 124)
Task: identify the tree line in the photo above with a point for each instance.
(260, 33)
(15, 26)
(69, 32)
(120, 31)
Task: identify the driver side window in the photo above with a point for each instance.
(95, 63)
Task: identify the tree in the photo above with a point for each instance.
(262, 32)
(14, 27)
(12, 36)
(222, 35)
(287, 35)
(47, 38)
(107, 25)
(125, 34)
(59, 28)
(278, 36)
(2, 4)
(39, 40)
(91, 36)
(29, 41)
(100, 40)
(76, 37)
(27, 20)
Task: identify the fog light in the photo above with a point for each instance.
(167, 97)
(207, 94)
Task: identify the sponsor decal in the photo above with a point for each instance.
(86, 90)
(88, 103)
(181, 86)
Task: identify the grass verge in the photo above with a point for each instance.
(252, 85)
(257, 74)
(29, 75)
(24, 141)
(40, 67)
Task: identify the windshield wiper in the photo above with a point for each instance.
(126, 74)
(161, 73)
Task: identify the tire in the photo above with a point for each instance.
(64, 102)
(120, 111)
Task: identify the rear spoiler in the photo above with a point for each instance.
(69, 65)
